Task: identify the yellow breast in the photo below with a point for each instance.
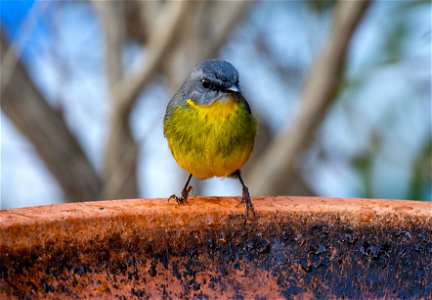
(217, 109)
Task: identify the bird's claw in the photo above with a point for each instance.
(183, 198)
(178, 200)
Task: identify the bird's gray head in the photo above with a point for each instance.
(211, 80)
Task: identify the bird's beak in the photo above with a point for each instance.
(234, 89)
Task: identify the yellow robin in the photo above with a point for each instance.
(210, 127)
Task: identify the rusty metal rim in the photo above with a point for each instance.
(304, 247)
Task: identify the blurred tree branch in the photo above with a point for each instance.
(202, 36)
(163, 35)
(113, 26)
(264, 137)
(275, 170)
(420, 186)
(46, 129)
(120, 180)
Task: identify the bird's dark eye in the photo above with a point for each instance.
(206, 83)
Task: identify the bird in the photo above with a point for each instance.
(210, 127)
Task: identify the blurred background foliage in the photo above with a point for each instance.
(85, 85)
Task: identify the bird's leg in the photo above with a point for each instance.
(184, 193)
(245, 198)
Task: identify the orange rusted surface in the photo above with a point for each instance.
(296, 247)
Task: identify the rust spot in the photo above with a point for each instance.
(404, 207)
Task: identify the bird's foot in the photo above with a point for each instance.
(177, 199)
(248, 204)
(183, 198)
